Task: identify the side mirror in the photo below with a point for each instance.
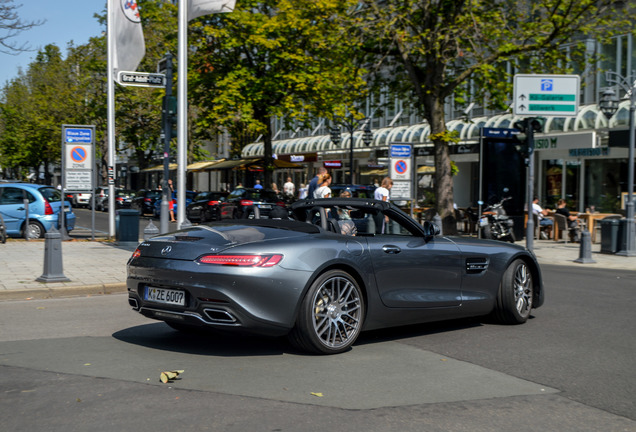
(431, 229)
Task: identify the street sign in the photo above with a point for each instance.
(78, 158)
(141, 79)
(546, 95)
(400, 163)
(78, 135)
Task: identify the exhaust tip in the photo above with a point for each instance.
(133, 303)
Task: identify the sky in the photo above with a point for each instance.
(66, 21)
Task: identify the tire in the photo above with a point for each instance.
(35, 230)
(516, 290)
(485, 232)
(331, 315)
(511, 237)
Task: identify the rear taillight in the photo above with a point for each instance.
(148, 200)
(136, 253)
(212, 203)
(242, 260)
(48, 210)
(280, 204)
(247, 202)
(120, 199)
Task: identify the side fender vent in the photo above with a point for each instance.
(476, 265)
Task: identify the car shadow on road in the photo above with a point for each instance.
(160, 336)
(394, 334)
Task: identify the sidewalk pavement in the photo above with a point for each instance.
(99, 267)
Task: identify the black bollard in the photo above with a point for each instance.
(53, 258)
(150, 230)
(585, 249)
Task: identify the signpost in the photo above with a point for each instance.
(541, 96)
(401, 172)
(546, 95)
(78, 163)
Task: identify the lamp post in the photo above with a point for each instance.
(608, 106)
(351, 124)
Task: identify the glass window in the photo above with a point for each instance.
(51, 194)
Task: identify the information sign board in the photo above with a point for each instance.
(546, 95)
(78, 158)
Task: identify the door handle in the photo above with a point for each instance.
(390, 249)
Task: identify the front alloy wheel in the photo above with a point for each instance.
(331, 315)
(516, 292)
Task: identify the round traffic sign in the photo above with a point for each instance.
(401, 167)
(78, 154)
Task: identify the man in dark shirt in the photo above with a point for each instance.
(573, 221)
(313, 184)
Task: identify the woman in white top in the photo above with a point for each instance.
(323, 190)
(382, 194)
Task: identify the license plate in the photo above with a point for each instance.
(167, 296)
(483, 221)
(265, 206)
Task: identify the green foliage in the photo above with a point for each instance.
(274, 58)
(436, 49)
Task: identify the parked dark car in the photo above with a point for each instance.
(144, 200)
(123, 199)
(190, 195)
(45, 204)
(308, 278)
(206, 207)
(240, 202)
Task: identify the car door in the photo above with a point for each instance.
(12, 207)
(415, 272)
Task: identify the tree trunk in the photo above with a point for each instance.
(443, 174)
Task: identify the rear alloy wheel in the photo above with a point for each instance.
(331, 315)
(35, 230)
(514, 302)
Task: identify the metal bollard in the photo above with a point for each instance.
(150, 230)
(585, 249)
(437, 220)
(53, 258)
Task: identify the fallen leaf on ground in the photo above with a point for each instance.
(317, 394)
(169, 376)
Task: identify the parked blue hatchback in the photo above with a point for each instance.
(45, 203)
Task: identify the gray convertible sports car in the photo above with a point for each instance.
(326, 271)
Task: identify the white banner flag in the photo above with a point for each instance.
(197, 8)
(129, 47)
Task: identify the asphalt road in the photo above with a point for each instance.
(92, 364)
(84, 224)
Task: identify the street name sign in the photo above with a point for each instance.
(141, 79)
(546, 95)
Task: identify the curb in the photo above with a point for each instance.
(58, 292)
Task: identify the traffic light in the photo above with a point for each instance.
(525, 138)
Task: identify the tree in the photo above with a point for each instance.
(34, 107)
(431, 50)
(11, 25)
(273, 58)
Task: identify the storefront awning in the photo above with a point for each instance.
(172, 167)
(203, 165)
